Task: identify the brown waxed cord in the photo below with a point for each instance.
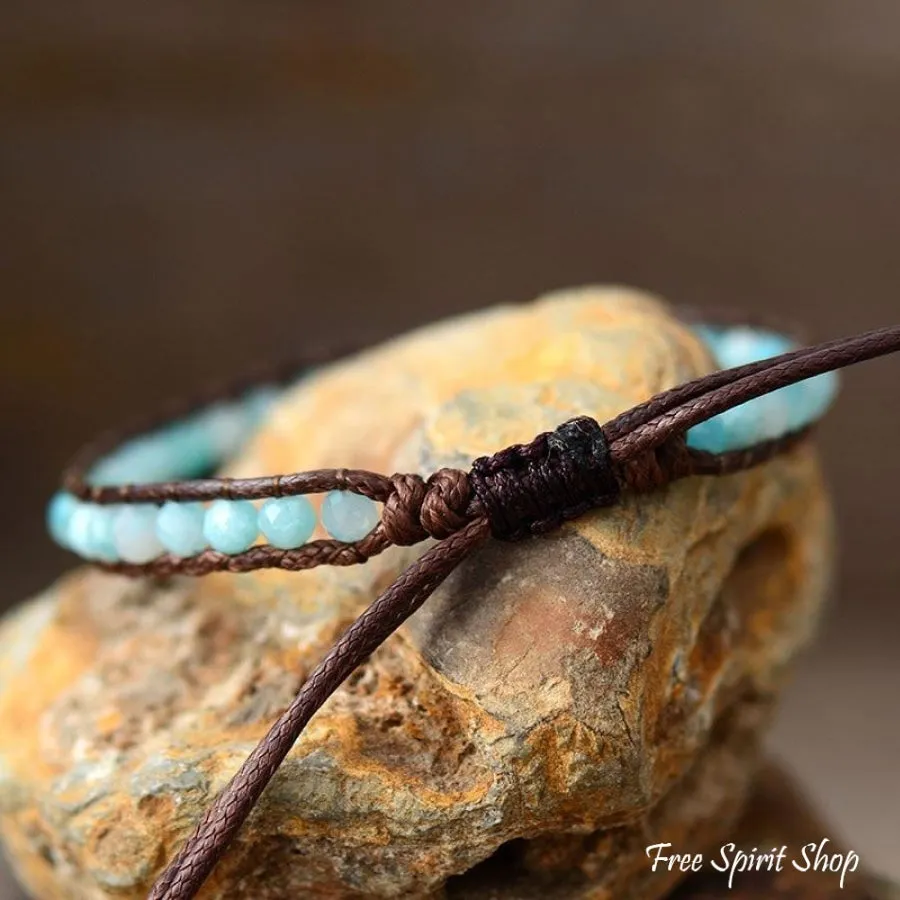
(778, 372)
(522, 490)
(195, 861)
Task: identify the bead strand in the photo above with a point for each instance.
(140, 532)
(186, 449)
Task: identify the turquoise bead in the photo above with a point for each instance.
(91, 531)
(347, 516)
(711, 436)
(134, 533)
(179, 527)
(750, 423)
(738, 346)
(59, 515)
(79, 528)
(230, 526)
(287, 522)
(764, 418)
(811, 399)
(102, 541)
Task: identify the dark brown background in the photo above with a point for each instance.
(186, 190)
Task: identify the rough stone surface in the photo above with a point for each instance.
(563, 700)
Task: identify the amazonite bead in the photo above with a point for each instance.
(347, 516)
(738, 346)
(91, 531)
(711, 436)
(287, 522)
(179, 527)
(230, 526)
(750, 423)
(134, 533)
(79, 526)
(811, 399)
(771, 416)
(59, 514)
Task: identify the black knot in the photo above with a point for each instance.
(532, 488)
(417, 509)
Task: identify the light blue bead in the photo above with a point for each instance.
(761, 419)
(710, 435)
(59, 513)
(102, 543)
(134, 533)
(781, 412)
(811, 399)
(347, 516)
(287, 522)
(79, 528)
(821, 392)
(179, 527)
(742, 345)
(90, 531)
(230, 526)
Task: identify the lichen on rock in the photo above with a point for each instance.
(570, 696)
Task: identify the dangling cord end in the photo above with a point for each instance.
(186, 873)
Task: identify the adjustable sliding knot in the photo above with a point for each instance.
(417, 509)
(529, 489)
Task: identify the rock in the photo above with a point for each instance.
(562, 700)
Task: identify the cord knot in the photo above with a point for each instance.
(417, 509)
(530, 489)
(446, 504)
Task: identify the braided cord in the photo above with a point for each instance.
(669, 400)
(736, 386)
(187, 872)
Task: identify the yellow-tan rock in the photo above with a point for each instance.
(566, 699)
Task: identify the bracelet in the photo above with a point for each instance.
(119, 512)
(133, 504)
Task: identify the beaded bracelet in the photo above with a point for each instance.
(127, 534)
(134, 504)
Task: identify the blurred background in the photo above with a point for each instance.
(187, 189)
